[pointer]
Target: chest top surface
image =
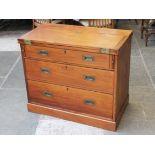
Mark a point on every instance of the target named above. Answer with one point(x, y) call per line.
point(77, 36)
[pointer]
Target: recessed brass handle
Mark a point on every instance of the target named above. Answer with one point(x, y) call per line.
point(89, 78)
point(88, 58)
point(45, 70)
point(47, 94)
point(43, 52)
point(89, 102)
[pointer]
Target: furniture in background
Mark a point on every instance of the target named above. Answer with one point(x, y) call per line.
point(147, 29)
point(109, 23)
point(77, 73)
point(37, 22)
point(136, 21)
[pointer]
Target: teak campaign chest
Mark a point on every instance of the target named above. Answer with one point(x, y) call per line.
point(77, 73)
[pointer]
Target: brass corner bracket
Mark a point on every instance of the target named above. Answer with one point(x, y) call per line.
point(105, 50)
point(28, 42)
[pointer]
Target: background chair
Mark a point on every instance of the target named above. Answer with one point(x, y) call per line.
point(109, 23)
point(37, 22)
point(147, 27)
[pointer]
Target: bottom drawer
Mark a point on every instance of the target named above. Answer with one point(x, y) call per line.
point(70, 98)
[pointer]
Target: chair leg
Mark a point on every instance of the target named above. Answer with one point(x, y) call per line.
point(146, 38)
point(33, 25)
point(142, 28)
point(142, 31)
point(146, 42)
point(136, 21)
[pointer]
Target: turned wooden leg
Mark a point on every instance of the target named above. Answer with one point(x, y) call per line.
point(142, 31)
point(32, 24)
point(136, 21)
point(146, 42)
point(142, 28)
point(146, 37)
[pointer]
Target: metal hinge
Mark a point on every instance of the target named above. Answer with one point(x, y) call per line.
point(28, 42)
point(105, 50)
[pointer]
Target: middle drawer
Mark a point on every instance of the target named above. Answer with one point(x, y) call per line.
point(68, 75)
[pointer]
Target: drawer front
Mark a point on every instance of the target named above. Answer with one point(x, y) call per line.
point(70, 98)
point(79, 77)
point(68, 56)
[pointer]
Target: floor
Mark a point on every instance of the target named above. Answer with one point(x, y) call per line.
point(139, 117)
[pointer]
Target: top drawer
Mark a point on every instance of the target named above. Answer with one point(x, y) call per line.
point(87, 59)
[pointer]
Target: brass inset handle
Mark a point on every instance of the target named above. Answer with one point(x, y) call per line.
point(88, 58)
point(89, 78)
point(89, 102)
point(47, 94)
point(43, 52)
point(45, 70)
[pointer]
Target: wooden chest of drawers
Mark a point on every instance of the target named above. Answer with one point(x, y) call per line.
point(77, 73)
